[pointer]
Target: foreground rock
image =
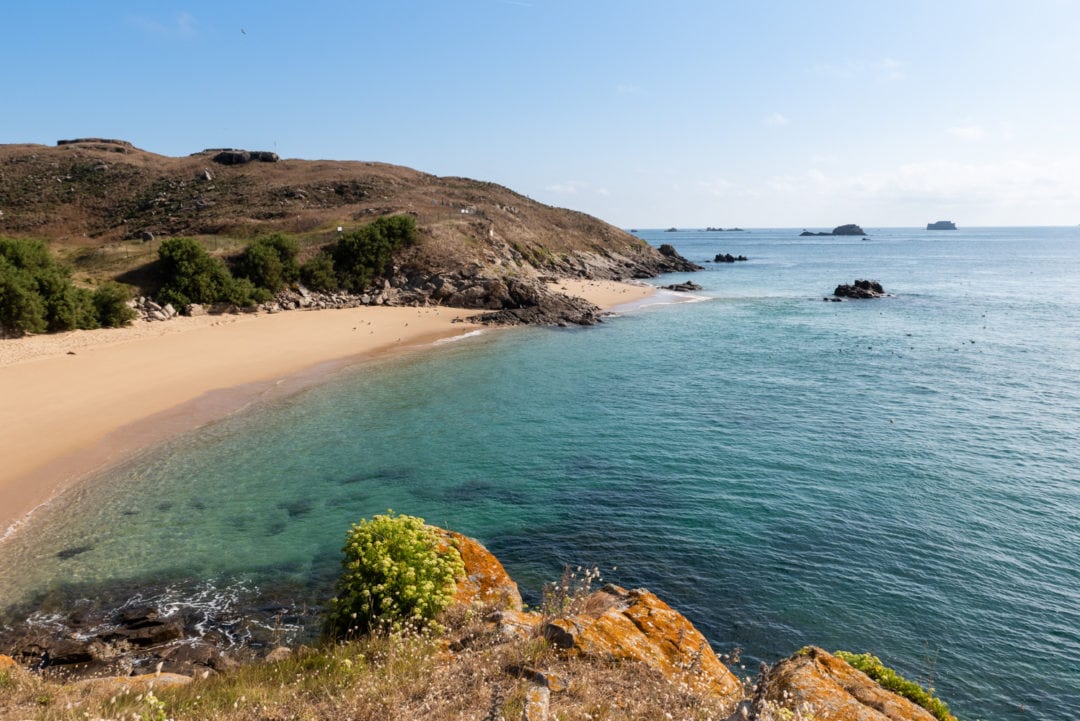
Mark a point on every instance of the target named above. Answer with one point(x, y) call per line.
point(486, 582)
point(860, 289)
point(835, 691)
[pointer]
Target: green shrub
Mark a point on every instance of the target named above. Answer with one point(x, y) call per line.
point(890, 680)
point(394, 577)
point(110, 304)
point(21, 307)
point(36, 292)
point(189, 274)
point(366, 253)
point(318, 273)
point(269, 262)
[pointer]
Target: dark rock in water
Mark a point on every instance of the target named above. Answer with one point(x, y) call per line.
point(683, 287)
point(941, 225)
point(728, 258)
point(860, 289)
point(849, 229)
point(72, 552)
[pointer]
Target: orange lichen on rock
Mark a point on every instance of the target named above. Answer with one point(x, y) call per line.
point(836, 691)
point(636, 625)
point(485, 582)
point(6, 662)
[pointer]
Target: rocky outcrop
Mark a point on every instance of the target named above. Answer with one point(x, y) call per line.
point(622, 625)
point(835, 691)
point(849, 229)
point(728, 258)
point(486, 582)
point(686, 287)
point(232, 156)
point(860, 289)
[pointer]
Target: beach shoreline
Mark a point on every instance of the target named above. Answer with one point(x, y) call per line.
point(77, 403)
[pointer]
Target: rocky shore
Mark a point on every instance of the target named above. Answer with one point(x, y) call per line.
point(139, 645)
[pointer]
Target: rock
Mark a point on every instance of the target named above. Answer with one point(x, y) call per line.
point(636, 625)
point(135, 684)
point(849, 229)
point(537, 699)
point(205, 175)
point(836, 691)
point(941, 225)
point(860, 289)
point(7, 662)
point(146, 236)
point(169, 310)
point(233, 157)
point(486, 582)
point(194, 309)
point(683, 287)
point(728, 258)
point(279, 654)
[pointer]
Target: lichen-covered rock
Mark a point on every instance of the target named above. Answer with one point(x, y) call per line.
point(486, 582)
point(6, 662)
point(836, 691)
point(636, 625)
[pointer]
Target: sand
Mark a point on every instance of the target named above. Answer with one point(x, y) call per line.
point(74, 403)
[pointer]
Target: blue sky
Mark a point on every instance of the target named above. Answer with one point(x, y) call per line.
point(646, 114)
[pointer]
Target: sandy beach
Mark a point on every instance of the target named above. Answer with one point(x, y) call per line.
point(73, 403)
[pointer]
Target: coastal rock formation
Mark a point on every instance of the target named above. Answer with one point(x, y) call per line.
point(835, 691)
point(849, 229)
point(941, 225)
point(683, 287)
point(621, 625)
point(860, 289)
point(486, 582)
point(728, 258)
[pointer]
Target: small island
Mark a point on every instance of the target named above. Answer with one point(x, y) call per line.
point(849, 229)
point(941, 225)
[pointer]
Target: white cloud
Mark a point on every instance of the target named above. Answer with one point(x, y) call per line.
point(569, 187)
point(776, 120)
point(883, 69)
point(970, 133)
point(183, 24)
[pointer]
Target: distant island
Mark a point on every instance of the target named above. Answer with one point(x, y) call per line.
point(710, 229)
point(849, 229)
point(941, 225)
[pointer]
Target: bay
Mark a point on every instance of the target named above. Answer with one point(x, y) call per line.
point(896, 476)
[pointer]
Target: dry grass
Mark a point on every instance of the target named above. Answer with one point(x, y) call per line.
point(473, 671)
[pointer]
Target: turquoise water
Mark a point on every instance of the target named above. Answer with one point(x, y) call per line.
point(900, 476)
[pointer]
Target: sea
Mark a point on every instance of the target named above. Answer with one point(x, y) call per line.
point(899, 475)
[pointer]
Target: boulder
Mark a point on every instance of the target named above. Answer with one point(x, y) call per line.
point(728, 258)
point(835, 691)
point(7, 662)
point(860, 289)
point(636, 625)
point(683, 287)
point(233, 157)
point(486, 582)
point(135, 684)
point(279, 654)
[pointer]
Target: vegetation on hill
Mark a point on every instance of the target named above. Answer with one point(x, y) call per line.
point(890, 680)
point(37, 295)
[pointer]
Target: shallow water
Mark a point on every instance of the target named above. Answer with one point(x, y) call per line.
point(898, 475)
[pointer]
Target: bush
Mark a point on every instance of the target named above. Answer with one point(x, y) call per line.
point(189, 274)
point(318, 273)
point(269, 262)
point(890, 680)
point(362, 255)
point(36, 292)
point(21, 307)
point(394, 577)
point(110, 304)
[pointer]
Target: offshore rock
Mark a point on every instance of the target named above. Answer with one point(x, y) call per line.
point(618, 624)
point(486, 582)
point(683, 287)
point(860, 289)
point(836, 691)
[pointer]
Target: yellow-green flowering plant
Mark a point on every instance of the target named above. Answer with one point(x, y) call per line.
point(394, 577)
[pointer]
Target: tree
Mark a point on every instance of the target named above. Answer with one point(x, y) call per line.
point(269, 262)
point(191, 275)
point(21, 308)
point(110, 304)
point(366, 253)
point(318, 273)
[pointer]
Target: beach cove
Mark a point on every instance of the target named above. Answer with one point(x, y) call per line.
point(75, 402)
point(894, 476)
